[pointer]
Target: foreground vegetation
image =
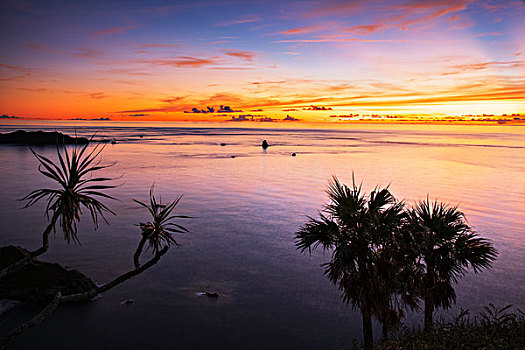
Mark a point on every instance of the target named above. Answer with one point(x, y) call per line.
point(492, 329)
point(386, 257)
point(23, 277)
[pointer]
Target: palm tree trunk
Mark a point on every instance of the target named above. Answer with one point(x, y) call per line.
point(124, 277)
point(136, 256)
point(429, 297)
point(368, 335)
point(384, 334)
point(429, 310)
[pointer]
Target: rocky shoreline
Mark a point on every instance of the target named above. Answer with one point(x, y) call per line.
point(38, 281)
point(40, 138)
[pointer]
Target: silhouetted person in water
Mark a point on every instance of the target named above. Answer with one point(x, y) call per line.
point(265, 144)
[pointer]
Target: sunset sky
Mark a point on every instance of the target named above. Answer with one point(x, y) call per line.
point(153, 60)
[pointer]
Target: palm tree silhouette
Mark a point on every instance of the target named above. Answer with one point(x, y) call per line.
point(393, 270)
point(158, 232)
point(77, 189)
point(160, 229)
point(444, 246)
point(356, 228)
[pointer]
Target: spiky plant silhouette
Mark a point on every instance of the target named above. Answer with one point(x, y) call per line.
point(358, 230)
point(78, 189)
point(159, 231)
point(445, 247)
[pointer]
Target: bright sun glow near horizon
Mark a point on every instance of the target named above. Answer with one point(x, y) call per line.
point(314, 61)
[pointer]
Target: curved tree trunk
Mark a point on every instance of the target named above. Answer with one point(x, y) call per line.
point(79, 297)
point(90, 294)
point(45, 246)
point(124, 277)
point(136, 256)
point(45, 238)
point(368, 336)
point(35, 321)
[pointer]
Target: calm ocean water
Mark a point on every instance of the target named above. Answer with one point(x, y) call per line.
point(246, 211)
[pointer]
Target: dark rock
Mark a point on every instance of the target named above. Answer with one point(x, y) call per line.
point(293, 154)
point(233, 156)
point(38, 281)
point(265, 144)
point(11, 254)
point(40, 138)
point(223, 144)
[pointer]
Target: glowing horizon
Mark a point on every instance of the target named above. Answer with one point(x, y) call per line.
point(310, 60)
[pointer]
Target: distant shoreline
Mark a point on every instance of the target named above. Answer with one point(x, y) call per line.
point(254, 124)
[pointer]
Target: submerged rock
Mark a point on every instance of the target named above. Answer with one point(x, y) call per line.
point(208, 294)
point(41, 138)
point(38, 281)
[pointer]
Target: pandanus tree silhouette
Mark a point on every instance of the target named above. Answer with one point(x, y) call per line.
point(158, 232)
point(77, 189)
point(357, 229)
point(444, 246)
point(161, 228)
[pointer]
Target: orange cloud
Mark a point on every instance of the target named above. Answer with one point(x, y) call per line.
point(425, 11)
point(245, 55)
point(154, 46)
point(33, 89)
point(15, 67)
point(173, 99)
point(112, 30)
point(302, 30)
point(335, 40)
point(185, 62)
point(365, 29)
point(337, 8)
point(97, 95)
point(341, 87)
point(86, 53)
point(239, 21)
point(462, 68)
point(153, 110)
point(410, 13)
point(269, 82)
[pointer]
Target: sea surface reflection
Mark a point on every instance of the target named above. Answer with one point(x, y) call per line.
point(246, 211)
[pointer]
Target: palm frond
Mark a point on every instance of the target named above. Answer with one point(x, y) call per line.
point(159, 231)
point(75, 190)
